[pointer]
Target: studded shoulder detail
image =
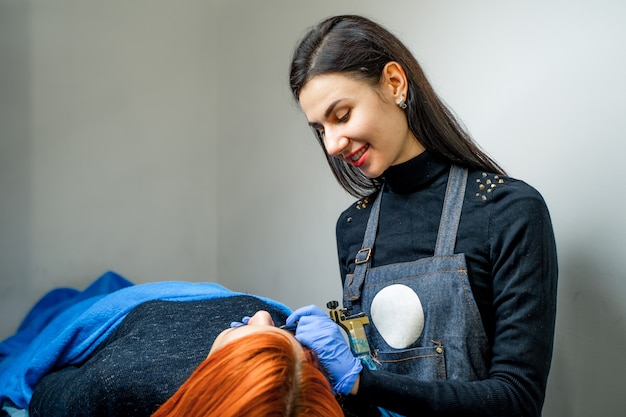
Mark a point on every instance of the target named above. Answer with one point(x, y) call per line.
point(486, 184)
point(362, 203)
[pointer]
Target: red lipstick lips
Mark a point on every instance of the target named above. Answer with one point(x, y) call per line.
point(356, 158)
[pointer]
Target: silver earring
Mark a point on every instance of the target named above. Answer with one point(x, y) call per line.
point(401, 103)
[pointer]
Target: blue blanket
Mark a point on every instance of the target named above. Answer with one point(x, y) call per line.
point(66, 326)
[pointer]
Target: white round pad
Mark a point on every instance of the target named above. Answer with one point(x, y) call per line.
point(398, 315)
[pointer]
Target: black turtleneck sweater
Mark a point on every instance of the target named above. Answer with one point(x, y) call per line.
point(506, 235)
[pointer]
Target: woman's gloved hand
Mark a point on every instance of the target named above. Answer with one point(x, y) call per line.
point(318, 332)
point(244, 321)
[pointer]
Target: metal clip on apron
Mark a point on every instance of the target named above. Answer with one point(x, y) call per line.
point(354, 326)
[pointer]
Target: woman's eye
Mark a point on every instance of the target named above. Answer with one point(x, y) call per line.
point(344, 117)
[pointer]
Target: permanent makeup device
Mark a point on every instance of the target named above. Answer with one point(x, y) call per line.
point(353, 325)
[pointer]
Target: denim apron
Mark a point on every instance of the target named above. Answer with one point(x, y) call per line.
point(424, 319)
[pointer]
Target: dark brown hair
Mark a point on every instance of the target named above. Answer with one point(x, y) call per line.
point(360, 48)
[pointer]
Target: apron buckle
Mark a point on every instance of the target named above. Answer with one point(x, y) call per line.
point(363, 256)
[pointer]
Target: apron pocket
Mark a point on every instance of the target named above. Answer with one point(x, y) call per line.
point(424, 363)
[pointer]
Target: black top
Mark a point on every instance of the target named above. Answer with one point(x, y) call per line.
point(506, 235)
point(144, 361)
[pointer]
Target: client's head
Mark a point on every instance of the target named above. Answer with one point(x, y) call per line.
point(261, 372)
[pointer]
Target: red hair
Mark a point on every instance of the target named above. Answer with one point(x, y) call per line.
point(259, 375)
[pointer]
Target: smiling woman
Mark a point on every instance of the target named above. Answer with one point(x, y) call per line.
point(364, 127)
point(454, 261)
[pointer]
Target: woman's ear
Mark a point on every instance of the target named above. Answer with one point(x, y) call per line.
point(395, 78)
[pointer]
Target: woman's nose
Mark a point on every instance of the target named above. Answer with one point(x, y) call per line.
point(262, 318)
point(335, 143)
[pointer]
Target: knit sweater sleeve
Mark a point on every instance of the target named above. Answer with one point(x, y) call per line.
point(81, 396)
point(136, 368)
point(523, 278)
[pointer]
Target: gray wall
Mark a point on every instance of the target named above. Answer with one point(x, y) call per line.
point(108, 144)
point(158, 139)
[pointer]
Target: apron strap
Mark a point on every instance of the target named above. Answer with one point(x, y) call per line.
point(354, 283)
point(446, 237)
point(451, 213)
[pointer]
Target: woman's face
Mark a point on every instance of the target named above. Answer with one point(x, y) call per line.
point(359, 123)
point(261, 321)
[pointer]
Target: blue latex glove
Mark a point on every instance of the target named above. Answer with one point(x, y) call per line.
point(317, 331)
point(244, 321)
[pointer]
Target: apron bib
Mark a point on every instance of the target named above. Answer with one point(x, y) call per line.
point(424, 319)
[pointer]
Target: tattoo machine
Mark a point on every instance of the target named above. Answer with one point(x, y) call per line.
point(353, 325)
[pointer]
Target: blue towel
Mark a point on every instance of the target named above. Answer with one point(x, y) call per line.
point(51, 305)
point(69, 334)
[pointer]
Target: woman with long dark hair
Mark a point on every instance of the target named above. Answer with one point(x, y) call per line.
point(453, 261)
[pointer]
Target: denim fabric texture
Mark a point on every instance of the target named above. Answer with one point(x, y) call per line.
point(504, 248)
point(453, 344)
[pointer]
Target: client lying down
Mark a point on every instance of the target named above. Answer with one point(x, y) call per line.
point(168, 349)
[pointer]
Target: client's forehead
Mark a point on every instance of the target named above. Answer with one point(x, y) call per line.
point(232, 334)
